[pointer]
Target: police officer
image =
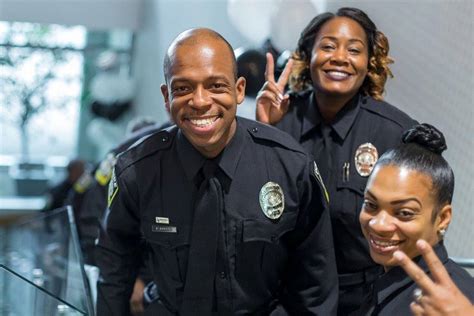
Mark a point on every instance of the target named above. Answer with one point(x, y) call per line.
point(335, 110)
point(231, 211)
point(407, 209)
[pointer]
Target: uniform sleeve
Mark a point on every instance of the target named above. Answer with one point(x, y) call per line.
point(118, 250)
point(311, 283)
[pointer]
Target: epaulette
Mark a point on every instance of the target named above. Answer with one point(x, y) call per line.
point(387, 111)
point(145, 147)
point(271, 134)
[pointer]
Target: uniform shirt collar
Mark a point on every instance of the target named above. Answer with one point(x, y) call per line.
point(342, 123)
point(192, 160)
point(396, 278)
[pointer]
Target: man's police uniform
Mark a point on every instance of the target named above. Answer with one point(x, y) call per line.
point(267, 261)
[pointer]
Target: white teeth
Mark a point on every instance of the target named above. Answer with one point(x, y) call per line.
point(203, 122)
point(338, 74)
point(385, 243)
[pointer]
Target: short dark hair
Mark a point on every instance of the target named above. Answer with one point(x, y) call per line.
point(378, 70)
point(421, 151)
point(188, 37)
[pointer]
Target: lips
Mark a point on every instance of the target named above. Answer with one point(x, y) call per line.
point(337, 75)
point(384, 246)
point(202, 125)
point(203, 122)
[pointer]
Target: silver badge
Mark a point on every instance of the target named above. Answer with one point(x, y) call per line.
point(365, 158)
point(272, 200)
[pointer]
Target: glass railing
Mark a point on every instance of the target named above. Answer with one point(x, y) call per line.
point(19, 296)
point(44, 250)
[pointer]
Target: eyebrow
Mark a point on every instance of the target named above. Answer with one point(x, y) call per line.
point(210, 78)
point(396, 202)
point(352, 40)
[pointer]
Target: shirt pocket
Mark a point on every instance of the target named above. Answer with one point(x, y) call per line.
point(262, 252)
point(347, 202)
point(169, 251)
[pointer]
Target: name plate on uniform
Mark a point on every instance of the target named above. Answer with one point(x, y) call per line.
point(163, 229)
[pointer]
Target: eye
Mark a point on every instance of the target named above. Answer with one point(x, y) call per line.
point(180, 90)
point(327, 47)
point(405, 214)
point(218, 87)
point(354, 51)
point(369, 206)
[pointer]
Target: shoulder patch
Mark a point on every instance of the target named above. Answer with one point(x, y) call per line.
point(113, 189)
point(104, 172)
point(317, 176)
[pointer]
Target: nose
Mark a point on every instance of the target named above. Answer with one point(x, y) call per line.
point(339, 55)
point(200, 99)
point(382, 222)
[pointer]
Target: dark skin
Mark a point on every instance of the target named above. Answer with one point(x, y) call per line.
point(202, 92)
point(338, 67)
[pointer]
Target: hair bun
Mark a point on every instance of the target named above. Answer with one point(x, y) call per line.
point(427, 136)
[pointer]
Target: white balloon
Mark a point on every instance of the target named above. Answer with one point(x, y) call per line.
point(289, 20)
point(251, 18)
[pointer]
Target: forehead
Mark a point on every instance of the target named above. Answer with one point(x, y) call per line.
point(342, 27)
point(394, 182)
point(198, 58)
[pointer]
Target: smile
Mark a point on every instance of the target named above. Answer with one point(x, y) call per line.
point(337, 75)
point(203, 122)
point(384, 246)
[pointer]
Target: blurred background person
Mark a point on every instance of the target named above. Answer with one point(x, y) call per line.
point(335, 109)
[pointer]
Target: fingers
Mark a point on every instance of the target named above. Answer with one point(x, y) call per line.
point(270, 68)
point(285, 75)
point(417, 275)
point(436, 267)
point(416, 309)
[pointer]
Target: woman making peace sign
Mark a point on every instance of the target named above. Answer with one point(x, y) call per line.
point(335, 110)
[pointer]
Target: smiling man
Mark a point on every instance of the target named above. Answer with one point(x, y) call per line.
point(229, 212)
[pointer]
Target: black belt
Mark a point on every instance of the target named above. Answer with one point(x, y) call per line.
point(365, 276)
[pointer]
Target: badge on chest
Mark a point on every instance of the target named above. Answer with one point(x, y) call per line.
point(272, 200)
point(365, 158)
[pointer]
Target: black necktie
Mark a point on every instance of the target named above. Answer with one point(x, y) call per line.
point(323, 153)
point(201, 270)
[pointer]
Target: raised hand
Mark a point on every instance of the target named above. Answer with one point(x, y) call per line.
point(272, 103)
point(439, 295)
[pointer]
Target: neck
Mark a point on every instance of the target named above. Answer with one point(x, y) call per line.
point(330, 105)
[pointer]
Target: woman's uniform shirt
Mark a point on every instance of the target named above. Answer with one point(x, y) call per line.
point(263, 264)
point(393, 291)
point(335, 148)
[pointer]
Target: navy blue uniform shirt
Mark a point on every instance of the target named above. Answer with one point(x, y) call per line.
point(362, 120)
point(285, 265)
point(393, 291)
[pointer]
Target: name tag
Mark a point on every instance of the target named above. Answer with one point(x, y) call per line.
point(162, 220)
point(164, 229)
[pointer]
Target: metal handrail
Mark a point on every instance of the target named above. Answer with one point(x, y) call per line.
point(464, 262)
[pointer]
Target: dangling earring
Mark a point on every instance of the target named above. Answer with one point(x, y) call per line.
point(442, 232)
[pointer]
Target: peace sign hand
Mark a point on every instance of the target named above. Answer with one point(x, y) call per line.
point(271, 103)
point(440, 296)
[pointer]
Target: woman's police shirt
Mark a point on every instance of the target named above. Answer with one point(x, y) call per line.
point(393, 291)
point(263, 264)
point(345, 152)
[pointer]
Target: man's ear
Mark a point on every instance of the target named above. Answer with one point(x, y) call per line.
point(164, 91)
point(240, 89)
